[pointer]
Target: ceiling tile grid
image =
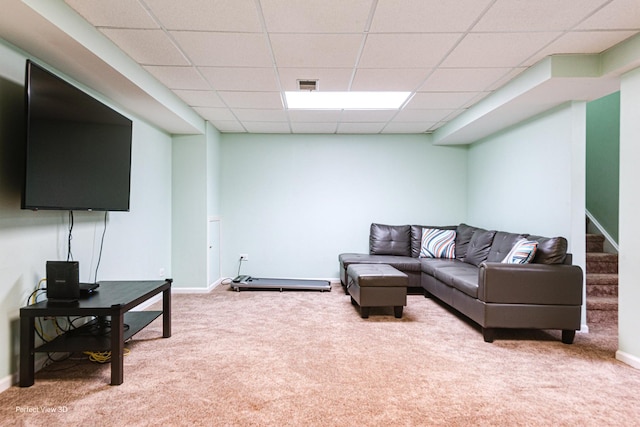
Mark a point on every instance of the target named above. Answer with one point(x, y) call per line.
point(232, 60)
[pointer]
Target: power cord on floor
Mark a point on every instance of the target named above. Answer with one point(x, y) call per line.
point(102, 356)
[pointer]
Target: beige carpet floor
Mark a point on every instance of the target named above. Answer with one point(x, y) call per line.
point(306, 358)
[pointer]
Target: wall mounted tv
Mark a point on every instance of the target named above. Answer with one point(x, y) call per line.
point(78, 150)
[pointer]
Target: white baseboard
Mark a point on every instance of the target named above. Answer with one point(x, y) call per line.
point(10, 380)
point(629, 359)
point(177, 290)
point(7, 382)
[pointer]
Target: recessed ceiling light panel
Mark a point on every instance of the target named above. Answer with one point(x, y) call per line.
point(313, 100)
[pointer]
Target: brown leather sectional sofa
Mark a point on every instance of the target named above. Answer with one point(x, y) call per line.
point(545, 293)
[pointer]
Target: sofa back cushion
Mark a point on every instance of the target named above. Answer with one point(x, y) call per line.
point(479, 246)
point(416, 236)
point(502, 244)
point(390, 240)
point(550, 250)
point(464, 233)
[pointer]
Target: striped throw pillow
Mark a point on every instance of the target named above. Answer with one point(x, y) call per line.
point(522, 252)
point(437, 243)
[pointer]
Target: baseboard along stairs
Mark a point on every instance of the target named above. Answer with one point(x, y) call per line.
point(602, 283)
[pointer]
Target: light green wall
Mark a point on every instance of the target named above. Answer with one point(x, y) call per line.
point(137, 243)
point(196, 199)
point(603, 161)
point(629, 254)
point(294, 202)
point(189, 230)
point(520, 179)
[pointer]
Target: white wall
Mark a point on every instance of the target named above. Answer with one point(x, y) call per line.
point(294, 202)
point(137, 243)
point(629, 225)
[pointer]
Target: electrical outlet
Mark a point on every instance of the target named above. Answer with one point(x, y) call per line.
point(161, 272)
point(244, 257)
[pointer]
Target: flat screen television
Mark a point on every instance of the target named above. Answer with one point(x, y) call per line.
point(78, 150)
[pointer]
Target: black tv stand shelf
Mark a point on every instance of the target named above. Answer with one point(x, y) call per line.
point(86, 338)
point(112, 307)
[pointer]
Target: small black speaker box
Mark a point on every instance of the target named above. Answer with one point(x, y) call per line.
point(63, 279)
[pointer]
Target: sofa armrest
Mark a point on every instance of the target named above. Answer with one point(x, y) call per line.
point(557, 284)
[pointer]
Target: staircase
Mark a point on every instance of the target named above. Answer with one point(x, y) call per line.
point(602, 283)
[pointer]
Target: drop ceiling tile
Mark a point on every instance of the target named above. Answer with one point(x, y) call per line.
point(242, 79)
point(147, 47)
point(316, 16)
point(314, 116)
point(200, 98)
point(207, 15)
point(266, 127)
point(406, 50)
point(619, 14)
point(462, 79)
point(538, 15)
point(329, 79)
point(393, 16)
point(224, 49)
point(582, 42)
point(360, 127)
point(228, 126)
point(364, 116)
point(256, 115)
point(259, 100)
point(315, 50)
point(402, 79)
point(422, 115)
point(213, 114)
point(179, 77)
point(114, 13)
point(407, 127)
point(446, 100)
point(497, 49)
point(314, 127)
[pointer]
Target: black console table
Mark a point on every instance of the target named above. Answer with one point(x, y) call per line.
point(111, 303)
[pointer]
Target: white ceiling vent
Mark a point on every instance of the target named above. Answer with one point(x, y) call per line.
point(309, 85)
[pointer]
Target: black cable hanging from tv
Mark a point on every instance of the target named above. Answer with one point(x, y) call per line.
point(70, 238)
point(69, 253)
point(104, 231)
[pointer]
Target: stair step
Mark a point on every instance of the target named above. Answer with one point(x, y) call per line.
point(601, 262)
point(595, 243)
point(602, 318)
point(602, 279)
point(602, 303)
point(602, 290)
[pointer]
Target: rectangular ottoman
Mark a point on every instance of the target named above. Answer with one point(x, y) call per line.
point(377, 285)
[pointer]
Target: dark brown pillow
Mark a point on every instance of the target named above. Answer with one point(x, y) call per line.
point(479, 246)
point(390, 240)
point(464, 233)
point(551, 250)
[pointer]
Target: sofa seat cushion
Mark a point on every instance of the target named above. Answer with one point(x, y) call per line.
point(402, 263)
point(462, 276)
point(430, 265)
